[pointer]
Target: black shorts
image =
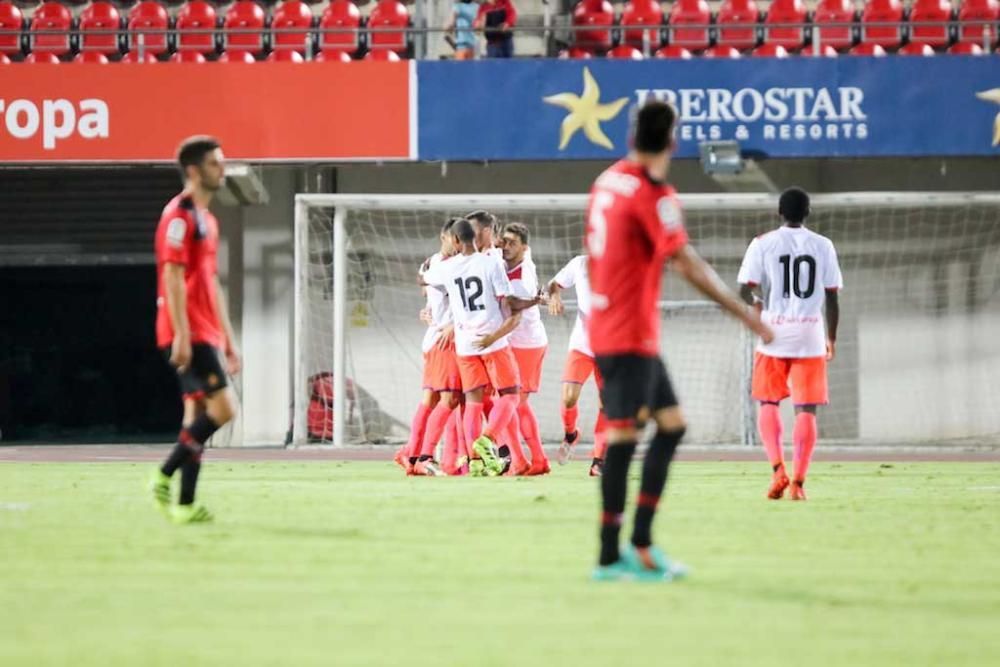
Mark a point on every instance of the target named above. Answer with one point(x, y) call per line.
point(631, 383)
point(204, 375)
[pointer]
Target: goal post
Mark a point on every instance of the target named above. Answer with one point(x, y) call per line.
point(919, 312)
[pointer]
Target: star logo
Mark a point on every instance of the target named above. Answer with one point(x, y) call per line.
point(586, 112)
point(993, 96)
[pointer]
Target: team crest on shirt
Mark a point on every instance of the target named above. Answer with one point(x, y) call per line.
point(669, 212)
point(176, 229)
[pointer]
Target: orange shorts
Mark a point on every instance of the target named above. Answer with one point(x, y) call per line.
point(529, 367)
point(771, 377)
point(579, 368)
point(497, 369)
point(441, 369)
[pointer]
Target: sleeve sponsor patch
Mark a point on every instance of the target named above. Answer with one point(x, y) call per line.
point(176, 231)
point(669, 212)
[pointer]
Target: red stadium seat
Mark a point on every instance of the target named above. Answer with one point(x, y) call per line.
point(978, 10)
point(241, 16)
point(825, 51)
point(42, 58)
point(642, 12)
point(99, 17)
point(575, 53)
point(189, 56)
point(834, 11)
point(51, 16)
point(286, 56)
point(339, 14)
point(674, 51)
point(385, 55)
point(625, 52)
point(783, 13)
point(721, 51)
point(737, 12)
point(193, 16)
point(93, 57)
point(882, 11)
point(388, 14)
point(690, 12)
point(333, 56)
point(292, 14)
point(133, 57)
point(770, 51)
point(237, 56)
point(966, 49)
point(150, 20)
point(930, 10)
point(11, 18)
point(916, 49)
point(598, 16)
point(867, 49)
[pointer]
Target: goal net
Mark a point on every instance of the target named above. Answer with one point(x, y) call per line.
point(920, 313)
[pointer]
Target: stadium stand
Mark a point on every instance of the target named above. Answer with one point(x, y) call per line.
point(195, 16)
point(737, 13)
point(95, 21)
point(148, 19)
point(598, 15)
point(781, 18)
point(690, 12)
point(642, 12)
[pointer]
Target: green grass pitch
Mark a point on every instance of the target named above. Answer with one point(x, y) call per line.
point(349, 563)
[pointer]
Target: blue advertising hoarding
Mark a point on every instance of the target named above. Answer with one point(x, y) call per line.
point(796, 107)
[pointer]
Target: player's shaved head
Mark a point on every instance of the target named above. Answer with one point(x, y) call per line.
point(654, 127)
point(463, 231)
point(482, 218)
point(793, 205)
point(448, 225)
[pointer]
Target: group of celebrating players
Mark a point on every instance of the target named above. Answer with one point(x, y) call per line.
point(485, 341)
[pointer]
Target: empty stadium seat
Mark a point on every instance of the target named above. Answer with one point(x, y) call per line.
point(333, 56)
point(721, 51)
point(930, 10)
point(882, 11)
point(291, 14)
point(93, 57)
point(690, 12)
point(385, 55)
point(642, 12)
point(575, 53)
point(242, 16)
point(673, 51)
point(51, 16)
point(737, 12)
point(237, 56)
point(11, 18)
point(133, 57)
point(286, 55)
point(194, 16)
point(598, 16)
point(187, 56)
point(625, 52)
point(966, 49)
point(916, 49)
point(867, 49)
point(781, 17)
point(339, 14)
point(978, 10)
point(42, 58)
point(150, 20)
point(388, 14)
point(770, 51)
point(825, 51)
point(834, 11)
point(94, 20)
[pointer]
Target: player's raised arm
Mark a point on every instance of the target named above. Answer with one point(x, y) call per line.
point(689, 264)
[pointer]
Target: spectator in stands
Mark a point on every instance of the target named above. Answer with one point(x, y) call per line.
point(496, 18)
point(463, 17)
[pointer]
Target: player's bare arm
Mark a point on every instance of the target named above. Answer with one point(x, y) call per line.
point(696, 271)
point(173, 281)
point(447, 336)
point(517, 304)
point(832, 322)
point(234, 363)
point(507, 327)
point(554, 291)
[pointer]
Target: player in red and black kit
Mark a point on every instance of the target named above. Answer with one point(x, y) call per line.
point(634, 225)
point(192, 326)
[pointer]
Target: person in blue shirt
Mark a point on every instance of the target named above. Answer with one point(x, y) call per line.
point(460, 23)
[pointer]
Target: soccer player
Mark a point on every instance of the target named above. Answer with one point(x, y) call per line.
point(580, 363)
point(797, 272)
point(528, 341)
point(192, 325)
point(441, 382)
point(634, 224)
point(478, 288)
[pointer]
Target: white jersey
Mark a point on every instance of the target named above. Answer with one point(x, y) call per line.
point(475, 284)
point(530, 332)
point(437, 304)
point(794, 267)
point(574, 274)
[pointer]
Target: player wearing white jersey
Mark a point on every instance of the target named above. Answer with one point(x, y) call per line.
point(580, 363)
point(795, 273)
point(478, 289)
point(529, 342)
